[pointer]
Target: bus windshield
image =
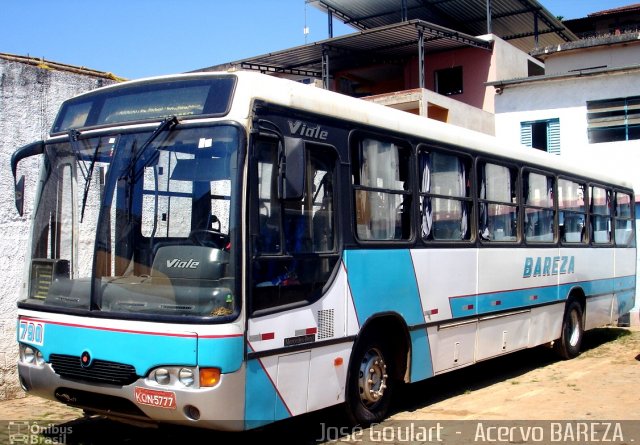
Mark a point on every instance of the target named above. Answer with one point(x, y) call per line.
point(138, 223)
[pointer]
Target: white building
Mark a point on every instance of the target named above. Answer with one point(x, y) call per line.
point(586, 106)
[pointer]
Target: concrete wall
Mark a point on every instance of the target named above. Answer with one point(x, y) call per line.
point(479, 66)
point(29, 100)
point(422, 101)
point(611, 56)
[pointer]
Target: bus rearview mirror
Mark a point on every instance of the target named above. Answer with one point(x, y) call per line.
point(35, 148)
point(292, 169)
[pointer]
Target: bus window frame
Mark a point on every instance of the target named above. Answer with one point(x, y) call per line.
point(282, 254)
point(471, 199)
point(586, 242)
point(631, 218)
point(481, 159)
point(590, 213)
point(356, 137)
point(527, 168)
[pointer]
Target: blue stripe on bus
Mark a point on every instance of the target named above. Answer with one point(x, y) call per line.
point(383, 281)
point(143, 351)
point(263, 404)
point(225, 353)
point(486, 303)
point(421, 367)
point(625, 283)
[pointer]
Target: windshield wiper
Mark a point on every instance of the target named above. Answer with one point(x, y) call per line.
point(86, 173)
point(166, 124)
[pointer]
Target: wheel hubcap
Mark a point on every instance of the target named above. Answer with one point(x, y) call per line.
point(574, 329)
point(372, 380)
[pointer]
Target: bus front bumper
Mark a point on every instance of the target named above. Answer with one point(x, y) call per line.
point(220, 407)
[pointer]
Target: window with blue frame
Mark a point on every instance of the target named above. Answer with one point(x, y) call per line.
point(542, 134)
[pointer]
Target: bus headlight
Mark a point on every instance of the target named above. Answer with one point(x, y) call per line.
point(186, 376)
point(162, 376)
point(31, 355)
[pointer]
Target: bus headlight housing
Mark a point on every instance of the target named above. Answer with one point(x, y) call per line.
point(181, 376)
point(30, 355)
point(186, 376)
point(162, 376)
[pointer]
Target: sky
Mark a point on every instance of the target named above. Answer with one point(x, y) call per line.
point(141, 38)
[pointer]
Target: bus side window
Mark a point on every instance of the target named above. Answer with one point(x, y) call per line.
point(573, 213)
point(382, 196)
point(624, 217)
point(445, 196)
point(600, 215)
point(539, 213)
point(295, 241)
point(498, 212)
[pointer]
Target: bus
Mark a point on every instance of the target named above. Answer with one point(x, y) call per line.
point(230, 249)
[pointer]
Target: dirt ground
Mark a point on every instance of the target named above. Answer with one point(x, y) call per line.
point(531, 388)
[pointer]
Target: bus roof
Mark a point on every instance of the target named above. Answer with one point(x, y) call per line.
point(253, 86)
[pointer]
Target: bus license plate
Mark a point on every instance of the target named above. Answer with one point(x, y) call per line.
point(152, 397)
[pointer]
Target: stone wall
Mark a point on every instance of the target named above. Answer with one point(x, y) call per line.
point(31, 92)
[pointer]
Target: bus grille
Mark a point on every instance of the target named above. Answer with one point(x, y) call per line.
point(99, 371)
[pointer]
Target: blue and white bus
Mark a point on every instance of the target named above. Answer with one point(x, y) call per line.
point(232, 249)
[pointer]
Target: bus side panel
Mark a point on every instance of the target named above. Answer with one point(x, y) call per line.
point(263, 403)
point(595, 274)
point(290, 383)
point(546, 323)
point(384, 281)
point(625, 295)
point(445, 273)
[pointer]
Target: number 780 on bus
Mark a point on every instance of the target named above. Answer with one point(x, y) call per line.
point(31, 332)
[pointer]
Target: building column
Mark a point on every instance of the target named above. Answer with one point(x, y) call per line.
point(325, 68)
point(421, 74)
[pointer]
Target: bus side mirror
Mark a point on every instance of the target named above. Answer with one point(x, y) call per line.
point(35, 148)
point(292, 169)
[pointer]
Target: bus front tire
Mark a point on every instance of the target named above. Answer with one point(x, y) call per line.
point(370, 382)
point(568, 345)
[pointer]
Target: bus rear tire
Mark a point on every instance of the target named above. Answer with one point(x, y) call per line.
point(370, 381)
point(568, 345)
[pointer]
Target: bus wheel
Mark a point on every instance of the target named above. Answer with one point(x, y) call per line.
point(568, 345)
point(370, 382)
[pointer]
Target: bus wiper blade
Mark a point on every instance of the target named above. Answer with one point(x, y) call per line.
point(87, 182)
point(166, 124)
point(74, 135)
point(87, 173)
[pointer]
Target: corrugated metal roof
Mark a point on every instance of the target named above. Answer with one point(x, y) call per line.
point(383, 44)
point(511, 20)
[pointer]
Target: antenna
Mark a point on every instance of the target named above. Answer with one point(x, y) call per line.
point(306, 28)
